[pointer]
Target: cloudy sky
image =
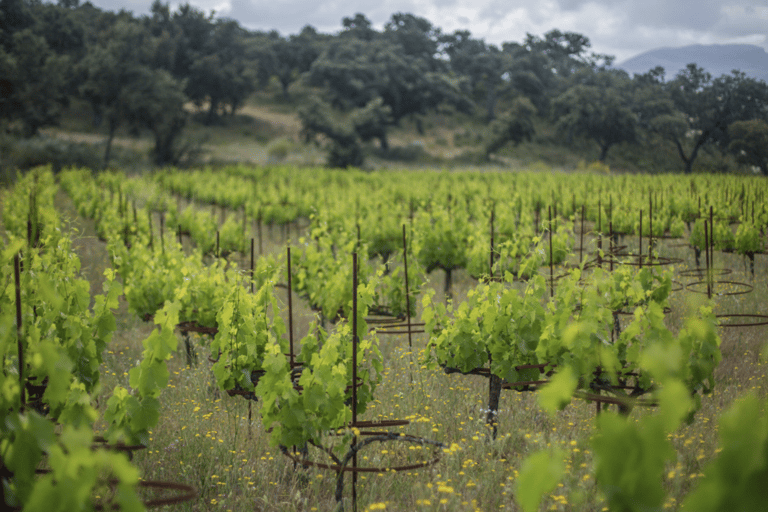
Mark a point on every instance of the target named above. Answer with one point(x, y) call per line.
point(623, 28)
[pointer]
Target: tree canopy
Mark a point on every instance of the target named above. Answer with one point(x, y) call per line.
point(147, 72)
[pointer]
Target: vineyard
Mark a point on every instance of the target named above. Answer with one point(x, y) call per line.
point(302, 339)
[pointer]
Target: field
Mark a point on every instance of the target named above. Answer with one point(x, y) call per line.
point(218, 444)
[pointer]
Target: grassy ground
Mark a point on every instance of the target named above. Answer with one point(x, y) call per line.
point(217, 444)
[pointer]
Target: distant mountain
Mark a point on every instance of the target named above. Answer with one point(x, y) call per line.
point(717, 59)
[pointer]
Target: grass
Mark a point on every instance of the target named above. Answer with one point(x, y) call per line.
point(206, 439)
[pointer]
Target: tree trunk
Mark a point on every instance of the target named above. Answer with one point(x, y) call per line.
point(110, 138)
point(494, 394)
point(490, 104)
point(285, 83)
point(383, 142)
point(689, 160)
point(213, 110)
point(603, 152)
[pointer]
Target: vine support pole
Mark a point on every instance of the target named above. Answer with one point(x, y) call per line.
point(711, 247)
point(354, 376)
point(610, 243)
point(581, 236)
point(290, 311)
point(19, 335)
point(708, 270)
point(599, 234)
point(490, 269)
point(650, 229)
point(640, 250)
point(407, 292)
point(252, 264)
point(551, 259)
point(151, 233)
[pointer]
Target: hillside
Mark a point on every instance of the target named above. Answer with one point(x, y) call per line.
point(718, 59)
point(267, 130)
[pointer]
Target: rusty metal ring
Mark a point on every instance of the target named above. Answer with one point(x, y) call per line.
point(192, 326)
point(700, 272)
point(764, 320)
point(385, 437)
point(749, 287)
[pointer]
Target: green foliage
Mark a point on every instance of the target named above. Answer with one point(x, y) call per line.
point(724, 239)
point(708, 107)
point(540, 474)
point(24, 154)
point(319, 401)
point(132, 415)
point(597, 106)
point(62, 339)
point(496, 322)
point(245, 330)
point(36, 78)
point(735, 479)
point(630, 461)
point(749, 140)
point(441, 239)
point(515, 127)
point(748, 239)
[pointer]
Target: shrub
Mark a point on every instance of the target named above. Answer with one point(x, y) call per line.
point(278, 149)
point(25, 154)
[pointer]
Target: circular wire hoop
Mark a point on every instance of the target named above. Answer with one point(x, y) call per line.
point(667, 310)
point(99, 442)
point(640, 260)
point(759, 320)
point(748, 287)
point(186, 493)
point(187, 327)
point(400, 328)
point(701, 272)
point(377, 437)
point(616, 400)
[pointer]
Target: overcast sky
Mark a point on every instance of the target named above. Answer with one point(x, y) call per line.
point(623, 28)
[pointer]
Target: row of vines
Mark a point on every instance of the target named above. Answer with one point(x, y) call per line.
point(563, 304)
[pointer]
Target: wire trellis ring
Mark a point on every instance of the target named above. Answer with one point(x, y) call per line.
point(761, 320)
point(748, 287)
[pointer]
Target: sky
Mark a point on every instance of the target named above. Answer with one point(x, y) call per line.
point(622, 28)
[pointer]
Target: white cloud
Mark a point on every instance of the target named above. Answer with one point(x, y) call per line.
point(618, 27)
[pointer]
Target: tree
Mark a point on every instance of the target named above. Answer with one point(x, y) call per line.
point(481, 64)
point(287, 58)
point(358, 27)
point(749, 142)
point(354, 71)
point(111, 68)
point(345, 134)
point(598, 106)
point(157, 103)
point(416, 37)
point(707, 107)
point(221, 74)
point(515, 127)
point(35, 79)
point(529, 73)
point(566, 51)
